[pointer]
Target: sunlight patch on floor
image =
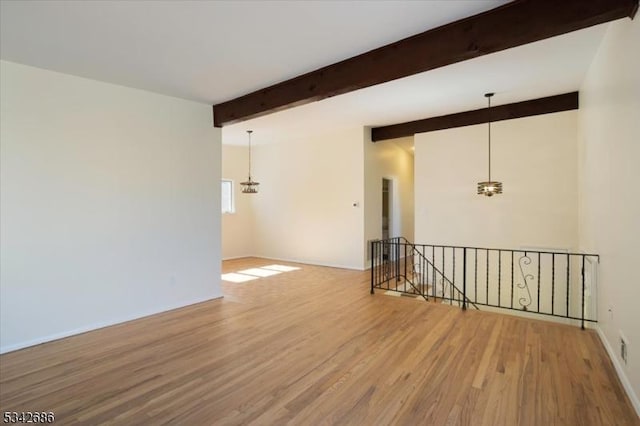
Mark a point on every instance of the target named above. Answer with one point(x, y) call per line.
point(237, 278)
point(256, 273)
point(281, 268)
point(259, 272)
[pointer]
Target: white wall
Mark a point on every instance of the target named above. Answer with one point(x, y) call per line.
point(534, 157)
point(109, 204)
point(304, 211)
point(609, 129)
point(238, 227)
point(387, 159)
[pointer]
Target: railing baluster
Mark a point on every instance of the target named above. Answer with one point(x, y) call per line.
point(405, 267)
point(380, 271)
point(453, 278)
point(434, 290)
point(464, 280)
point(433, 270)
point(487, 271)
point(499, 277)
point(391, 260)
point(391, 263)
point(568, 282)
point(538, 300)
point(386, 262)
point(451, 294)
point(423, 280)
point(378, 265)
point(373, 248)
point(397, 261)
point(425, 271)
point(553, 282)
point(382, 266)
point(512, 279)
point(442, 271)
point(475, 276)
point(442, 278)
point(582, 310)
point(416, 252)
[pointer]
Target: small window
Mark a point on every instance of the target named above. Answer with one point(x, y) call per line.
point(227, 196)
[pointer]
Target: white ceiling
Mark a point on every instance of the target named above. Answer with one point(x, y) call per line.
point(545, 68)
point(211, 51)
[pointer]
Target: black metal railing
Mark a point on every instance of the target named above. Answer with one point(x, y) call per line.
point(559, 284)
point(397, 265)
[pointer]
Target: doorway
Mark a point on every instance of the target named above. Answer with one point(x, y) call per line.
point(387, 198)
point(387, 207)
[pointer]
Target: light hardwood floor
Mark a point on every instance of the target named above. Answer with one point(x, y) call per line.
point(312, 347)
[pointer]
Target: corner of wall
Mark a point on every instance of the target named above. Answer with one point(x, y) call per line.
point(626, 384)
point(608, 151)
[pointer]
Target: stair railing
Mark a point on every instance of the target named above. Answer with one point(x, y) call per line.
point(420, 274)
point(396, 263)
point(546, 282)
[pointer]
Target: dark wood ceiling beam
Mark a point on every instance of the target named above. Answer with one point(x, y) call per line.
point(513, 24)
point(565, 102)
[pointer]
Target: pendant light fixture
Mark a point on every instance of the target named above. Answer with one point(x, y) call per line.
point(250, 186)
point(489, 188)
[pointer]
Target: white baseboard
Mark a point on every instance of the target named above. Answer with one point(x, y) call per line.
point(622, 375)
point(96, 326)
point(307, 262)
point(238, 257)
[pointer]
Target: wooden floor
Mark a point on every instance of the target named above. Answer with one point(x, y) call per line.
point(312, 347)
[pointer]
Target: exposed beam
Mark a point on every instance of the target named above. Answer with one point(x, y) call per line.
point(557, 103)
point(513, 24)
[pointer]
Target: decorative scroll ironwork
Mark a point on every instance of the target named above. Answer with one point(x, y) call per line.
point(525, 300)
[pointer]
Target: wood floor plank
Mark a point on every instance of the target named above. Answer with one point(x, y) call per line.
point(312, 346)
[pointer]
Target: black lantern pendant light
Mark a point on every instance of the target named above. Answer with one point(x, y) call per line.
point(250, 186)
point(489, 188)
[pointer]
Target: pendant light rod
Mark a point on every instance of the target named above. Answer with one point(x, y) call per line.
point(250, 186)
point(488, 96)
point(249, 133)
point(489, 188)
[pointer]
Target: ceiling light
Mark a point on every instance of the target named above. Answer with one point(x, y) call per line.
point(250, 186)
point(489, 188)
